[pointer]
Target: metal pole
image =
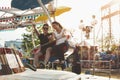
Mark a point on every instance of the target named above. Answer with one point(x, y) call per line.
point(94, 51)
point(45, 10)
point(119, 44)
point(93, 23)
point(109, 29)
point(81, 28)
point(102, 33)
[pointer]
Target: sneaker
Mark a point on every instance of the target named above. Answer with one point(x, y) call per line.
point(47, 66)
point(42, 65)
point(32, 67)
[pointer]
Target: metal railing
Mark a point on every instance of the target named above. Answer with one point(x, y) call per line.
point(97, 65)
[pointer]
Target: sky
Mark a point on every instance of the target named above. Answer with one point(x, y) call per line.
point(80, 9)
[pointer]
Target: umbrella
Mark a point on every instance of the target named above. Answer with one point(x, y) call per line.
point(61, 10)
point(58, 11)
point(27, 4)
point(42, 17)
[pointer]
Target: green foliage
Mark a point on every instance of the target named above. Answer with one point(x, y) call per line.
point(109, 43)
point(27, 43)
point(28, 39)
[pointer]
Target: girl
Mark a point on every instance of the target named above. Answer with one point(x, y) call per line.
point(61, 41)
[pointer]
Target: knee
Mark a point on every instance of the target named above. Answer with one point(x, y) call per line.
point(35, 55)
point(48, 49)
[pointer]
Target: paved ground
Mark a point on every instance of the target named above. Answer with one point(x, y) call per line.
point(41, 74)
point(91, 77)
point(45, 74)
point(100, 75)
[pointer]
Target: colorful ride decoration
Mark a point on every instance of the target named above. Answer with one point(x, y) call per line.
point(10, 61)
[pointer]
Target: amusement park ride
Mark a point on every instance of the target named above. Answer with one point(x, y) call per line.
point(21, 15)
point(16, 16)
point(10, 60)
point(19, 18)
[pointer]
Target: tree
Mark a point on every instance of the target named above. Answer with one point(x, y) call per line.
point(108, 43)
point(29, 40)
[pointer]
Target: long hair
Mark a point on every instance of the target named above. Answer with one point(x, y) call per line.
point(57, 23)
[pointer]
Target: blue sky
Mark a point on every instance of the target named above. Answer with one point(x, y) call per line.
point(81, 9)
